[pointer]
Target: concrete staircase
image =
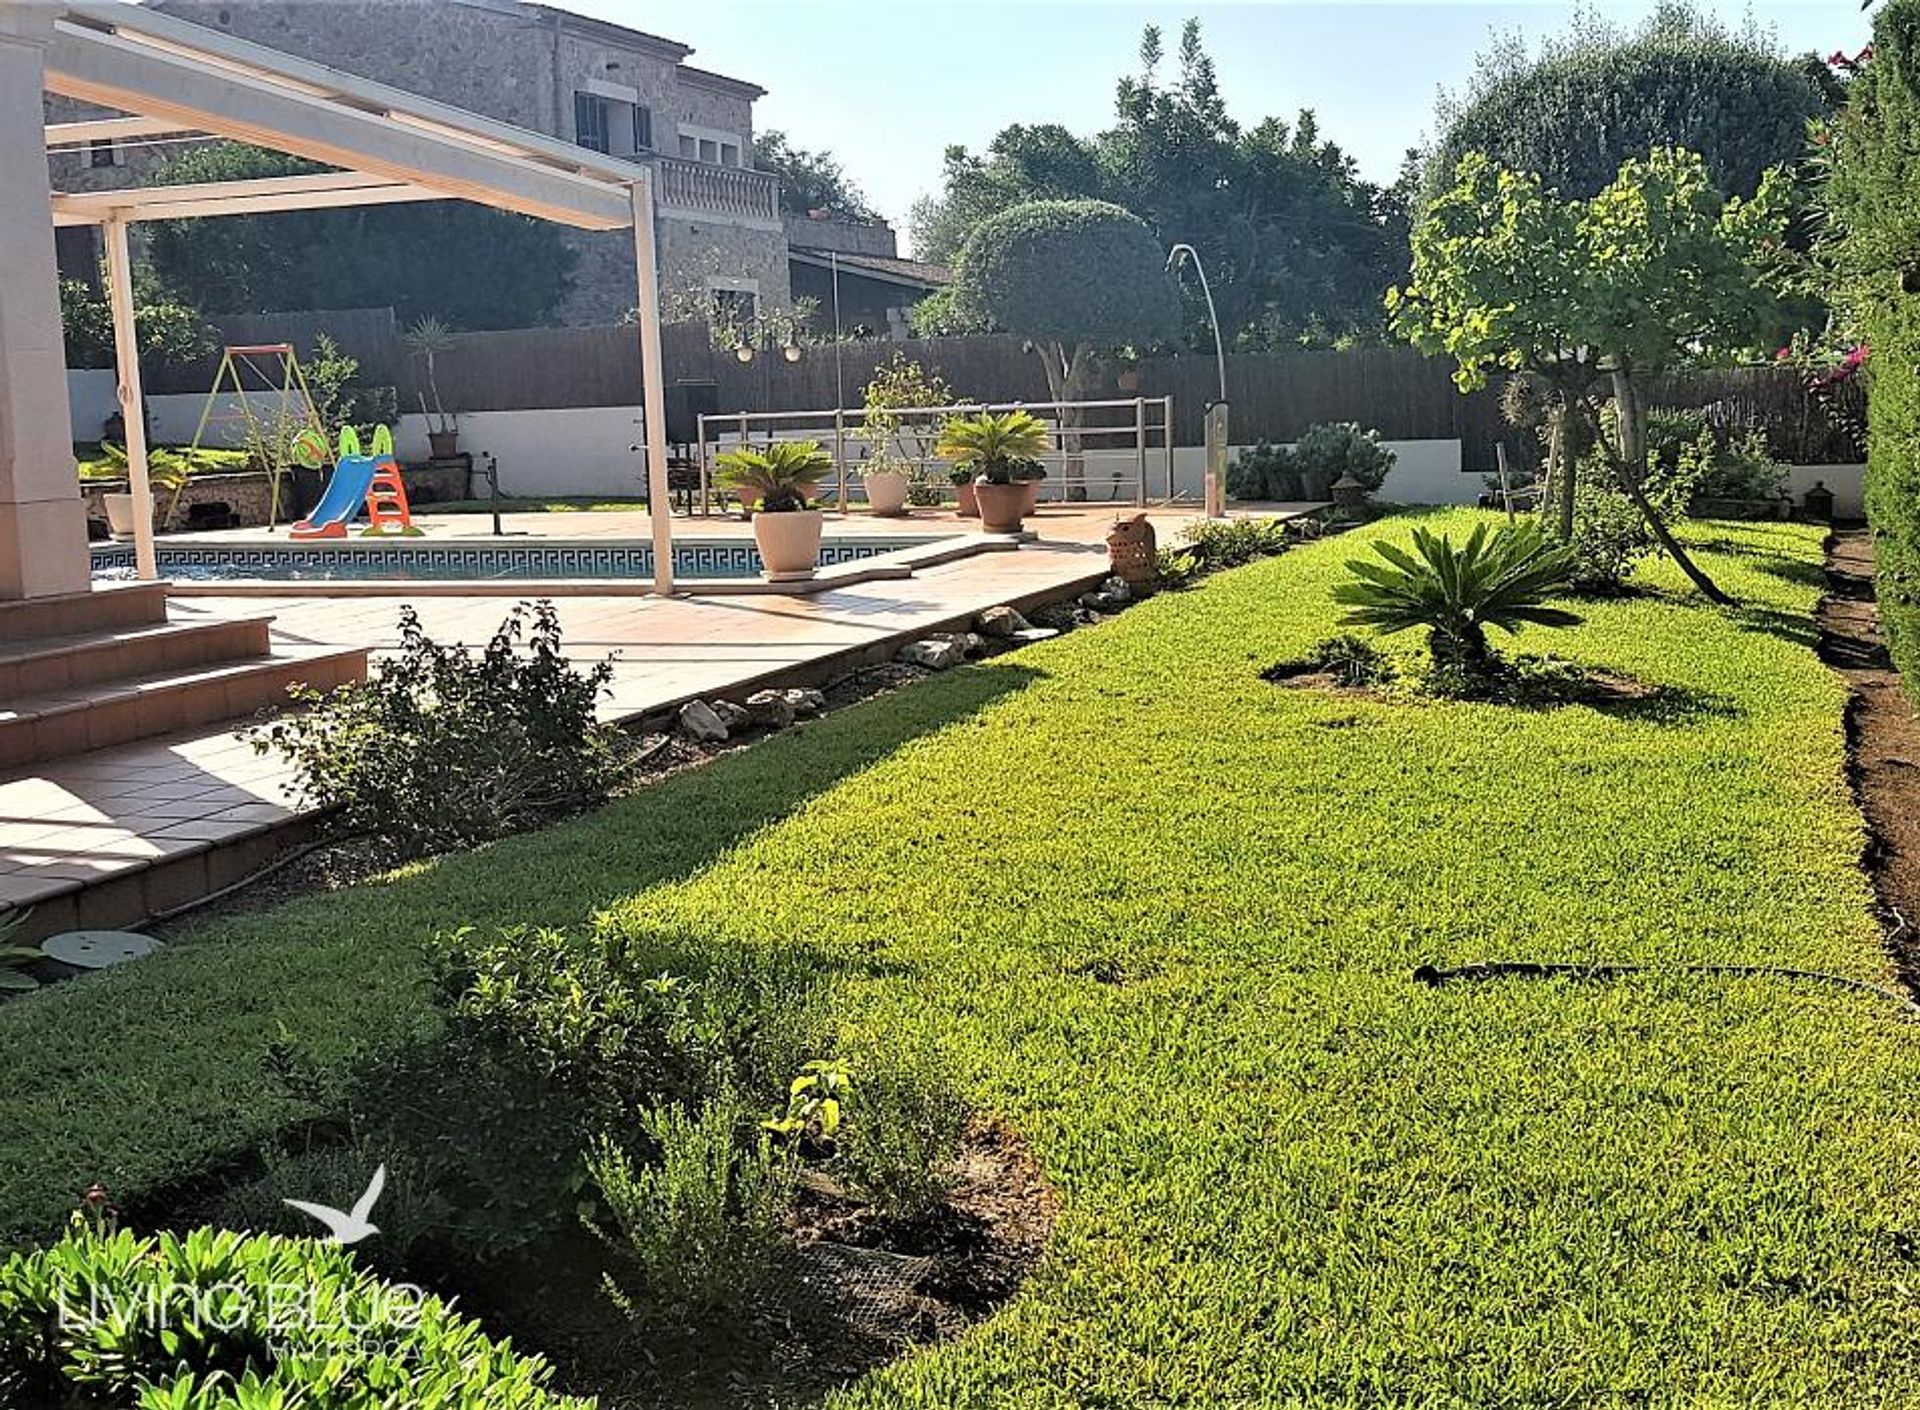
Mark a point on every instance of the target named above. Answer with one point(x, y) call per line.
point(105, 668)
point(124, 790)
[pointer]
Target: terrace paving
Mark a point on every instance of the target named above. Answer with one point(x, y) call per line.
point(108, 837)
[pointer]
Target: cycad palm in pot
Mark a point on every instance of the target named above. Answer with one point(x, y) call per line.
point(776, 483)
point(1001, 451)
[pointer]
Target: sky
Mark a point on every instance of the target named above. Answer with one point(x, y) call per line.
point(887, 85)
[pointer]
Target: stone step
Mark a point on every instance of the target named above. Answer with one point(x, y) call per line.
point(50, 665)
point(56, 726)
point(110, 607)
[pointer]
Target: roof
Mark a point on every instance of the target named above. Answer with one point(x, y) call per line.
point(608, 30)
point(918, 273)
point(707, 78)
point(672, 49)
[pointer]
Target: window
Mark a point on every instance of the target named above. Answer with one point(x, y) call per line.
point(103, 154)
point(709, 150)
point(689, 147)
point(729, 154)
point(590, 128)
point(642, 128)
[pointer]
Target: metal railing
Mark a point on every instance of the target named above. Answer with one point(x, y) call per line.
point(717, 190)
point(1098, 452)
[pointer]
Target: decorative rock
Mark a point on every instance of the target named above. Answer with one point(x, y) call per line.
point(770, 709)
point(805, 702)
point(1002, 623)
point(698, 720)
point(1061, 616)
point(1118, 588)
point(734, 717)
point(970, 643)
point(935, 653)
point(1030, 635)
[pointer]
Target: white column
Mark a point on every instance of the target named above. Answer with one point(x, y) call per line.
point(126, 359)
point(43, 525)
point(653, 395)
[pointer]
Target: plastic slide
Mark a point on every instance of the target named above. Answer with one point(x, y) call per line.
point(345, 496)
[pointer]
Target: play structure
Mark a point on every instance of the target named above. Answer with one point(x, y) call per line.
point(278, 381)
point(369, 481)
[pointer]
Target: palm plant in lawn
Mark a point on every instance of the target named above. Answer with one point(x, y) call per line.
point(14, 958)
point(1499, 579)
point(779, 481)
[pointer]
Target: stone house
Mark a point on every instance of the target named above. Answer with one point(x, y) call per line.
point(605, 86)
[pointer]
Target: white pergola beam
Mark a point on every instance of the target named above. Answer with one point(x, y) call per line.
point(120, 129)
point(206, 46)
point(321, 191)
point(117, 72)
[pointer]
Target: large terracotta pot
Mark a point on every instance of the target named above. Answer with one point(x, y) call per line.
point(968, 506)
point(789, 543)
point(886, 492)
point(1001, 506)
point(443, 445)
point(1029, 497)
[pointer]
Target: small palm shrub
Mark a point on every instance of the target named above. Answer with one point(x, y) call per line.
point(211, 1320)
point(443, 748)
point(1499, 579)
point(14, 958)
point(999, 448)
point(778, 479)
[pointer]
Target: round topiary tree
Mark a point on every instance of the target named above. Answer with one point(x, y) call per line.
point(1072, 277)
point(1596, 97)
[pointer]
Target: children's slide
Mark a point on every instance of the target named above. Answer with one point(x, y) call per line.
point(345, 496)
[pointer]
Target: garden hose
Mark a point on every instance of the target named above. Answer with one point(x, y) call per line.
point(1433, 975)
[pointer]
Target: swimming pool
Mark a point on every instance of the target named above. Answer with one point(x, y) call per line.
point(413, 560)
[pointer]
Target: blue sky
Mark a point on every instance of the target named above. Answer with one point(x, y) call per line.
point(887, 84)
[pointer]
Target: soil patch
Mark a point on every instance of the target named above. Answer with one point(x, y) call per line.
point(1883, 741)
point(857, 1292)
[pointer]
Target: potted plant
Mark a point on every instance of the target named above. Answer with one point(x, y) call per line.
point(966, 505)
point(1028, 474)
point(777, 482)
point(426, 339)
point(886, 485)
point(996, 449)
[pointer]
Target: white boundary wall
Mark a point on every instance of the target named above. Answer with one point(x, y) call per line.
point(590, 450)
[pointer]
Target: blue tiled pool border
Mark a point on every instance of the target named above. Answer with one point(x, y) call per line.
point(695, 559)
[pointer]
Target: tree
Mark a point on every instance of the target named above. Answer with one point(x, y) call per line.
point(1595, 97)
point(1072, 277)
point(168, 330)
point(476, 267)
point(1593, 296)
point(809, 181)
point(1295, 244)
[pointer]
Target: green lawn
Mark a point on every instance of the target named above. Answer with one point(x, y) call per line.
point(1289, 1174)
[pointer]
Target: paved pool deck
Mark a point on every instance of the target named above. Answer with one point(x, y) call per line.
point(109, 837)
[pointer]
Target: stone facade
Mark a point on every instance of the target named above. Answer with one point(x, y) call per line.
point(547, 70)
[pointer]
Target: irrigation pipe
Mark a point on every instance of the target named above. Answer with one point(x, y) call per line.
point(1434, 976)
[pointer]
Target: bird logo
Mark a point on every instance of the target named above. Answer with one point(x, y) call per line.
point(351, 1227)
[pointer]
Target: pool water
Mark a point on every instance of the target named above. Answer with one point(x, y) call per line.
point(412, 561)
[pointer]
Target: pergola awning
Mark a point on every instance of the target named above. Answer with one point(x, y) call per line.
point(170, 77)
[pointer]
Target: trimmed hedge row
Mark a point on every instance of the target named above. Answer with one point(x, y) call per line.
point(1873, 202)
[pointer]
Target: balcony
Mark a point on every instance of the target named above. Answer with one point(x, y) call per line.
point(728, 193)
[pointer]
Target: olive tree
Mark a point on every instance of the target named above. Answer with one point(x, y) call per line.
point(1658, 270)
point(1072, 278)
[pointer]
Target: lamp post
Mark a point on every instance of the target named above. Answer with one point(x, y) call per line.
point(1213, 504)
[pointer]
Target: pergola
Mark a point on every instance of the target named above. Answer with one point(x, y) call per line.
point(173, 78)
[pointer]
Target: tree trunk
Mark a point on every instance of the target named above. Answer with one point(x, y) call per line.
point(1560, 465)
point(1066, 377)
point(1630, 463)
